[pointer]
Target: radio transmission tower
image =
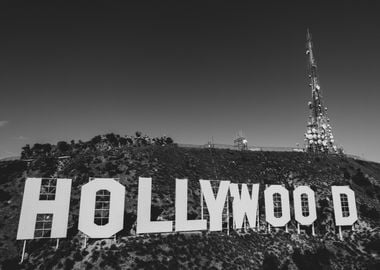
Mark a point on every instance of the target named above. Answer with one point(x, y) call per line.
point(241, 142)
point(319, 137)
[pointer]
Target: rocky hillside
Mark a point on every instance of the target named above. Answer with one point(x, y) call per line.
point(164, 161)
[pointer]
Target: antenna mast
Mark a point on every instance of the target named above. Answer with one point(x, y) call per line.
point(319, 137)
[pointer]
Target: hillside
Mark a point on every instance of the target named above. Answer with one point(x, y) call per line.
point(164, 162)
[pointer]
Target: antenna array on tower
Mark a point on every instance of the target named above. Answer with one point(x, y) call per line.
point(319, 136)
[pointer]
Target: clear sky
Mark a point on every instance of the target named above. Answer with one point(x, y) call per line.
point(188, 69)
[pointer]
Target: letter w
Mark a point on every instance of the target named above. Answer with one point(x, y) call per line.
point(244, 205)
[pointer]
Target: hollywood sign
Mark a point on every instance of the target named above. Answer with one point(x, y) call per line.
point(45, 207)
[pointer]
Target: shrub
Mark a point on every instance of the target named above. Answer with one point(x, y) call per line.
point(369, 212)
point(360, 179)
point(270, 262)
point(69, 263)
point(77, 256)
point(63, 146)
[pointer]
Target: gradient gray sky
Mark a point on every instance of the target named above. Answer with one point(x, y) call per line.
point(187, 69)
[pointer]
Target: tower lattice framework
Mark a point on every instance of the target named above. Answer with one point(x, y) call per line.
point(319, 137)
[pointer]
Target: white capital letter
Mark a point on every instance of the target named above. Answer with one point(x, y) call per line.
point(181, 221)
point(32, 205)
point(105, 196)
point(305, 194)
point(144, 224)
point(215, 206)
point(281, 216)
point(344, 205)
point(244, 204)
